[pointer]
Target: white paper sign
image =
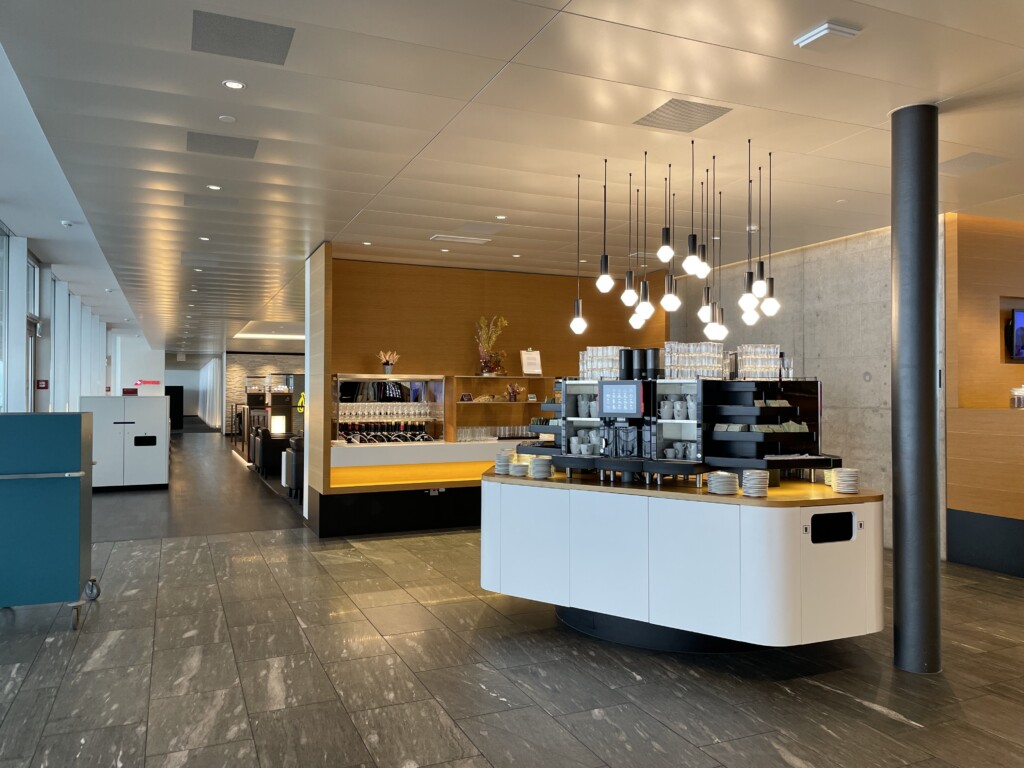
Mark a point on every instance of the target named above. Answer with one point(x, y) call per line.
point(531, 362)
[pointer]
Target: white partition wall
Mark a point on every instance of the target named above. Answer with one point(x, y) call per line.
point(60, 334)
point(74, 352)
point(15, 369)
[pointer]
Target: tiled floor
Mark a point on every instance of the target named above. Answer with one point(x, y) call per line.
point(275, 649)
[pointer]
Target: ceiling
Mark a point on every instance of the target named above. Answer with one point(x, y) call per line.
point(395, 120)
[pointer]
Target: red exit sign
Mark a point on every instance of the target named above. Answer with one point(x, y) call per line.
point(147, 383)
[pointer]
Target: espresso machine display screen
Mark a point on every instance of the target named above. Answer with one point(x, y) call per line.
point(620, 399)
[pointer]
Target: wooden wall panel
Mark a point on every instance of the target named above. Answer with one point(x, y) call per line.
point(429, 315)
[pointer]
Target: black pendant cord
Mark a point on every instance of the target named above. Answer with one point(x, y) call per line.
point(692, 186)
point(637, 249)
point(720, 233)
point(711, 203)
point(604, 226)
point(759, 213)
point(645, 215)
point(672, 220)
point(769, 214)
point(750, 192)
point(577, 237)
point(629, 213)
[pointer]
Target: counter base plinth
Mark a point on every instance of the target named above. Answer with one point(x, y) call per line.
point(651, 637)
point(350, 514)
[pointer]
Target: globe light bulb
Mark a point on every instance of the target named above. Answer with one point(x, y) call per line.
point(636, 321)
point(629, 295)
point(692, 260)
point(578, 324)
point(704, 314)
point(750, 317)
point(703, 269)
point(770, 306)
point(645, 309)
point(670, 302)
point(760, 288)
point(748, 302)
point(605, 283)
point(710, 331)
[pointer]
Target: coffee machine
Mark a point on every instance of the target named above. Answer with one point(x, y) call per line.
point(625, 427)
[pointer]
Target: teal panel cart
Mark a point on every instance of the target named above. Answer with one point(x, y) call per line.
point(46, 510)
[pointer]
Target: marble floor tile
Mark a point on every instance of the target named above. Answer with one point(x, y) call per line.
point(191, 629)
point(1013, 690)
point(261, 641)
point(196, 720)
point(309, 588)
point(193, 669)
point(119, 648)
point(187, 565)
point(231, 565)
point(467, 762)
point(625, 737)
point(417, 733)
point(351, 640)
point(108, 615)
point(612, 664)
point(51, 661)
point(249, 586)
point(237, 754)
point(100, 699)
point(177, 599)
point(467, 614)
point(172, 545)
point(473, 689)
point(527, 738)
point(433, 649)
point(262, 611)
point(509, 606)
point(436, 591)
point(514, 646)
point(995, 714)
point(20, 649)
point(374, 682)
point(312, 736)
point(410, 571)
point(401, 619)
point(561, 687)
point(11, 678)
point(122, 746)
point(770, 750)
point(297, 569)
point(701, 721)
point(24, 723)
point(373, 593)
point(131, 585)
point(352, 571)
point(967, 746)
point(27, 619)
point(285, 681)
point(333, 610)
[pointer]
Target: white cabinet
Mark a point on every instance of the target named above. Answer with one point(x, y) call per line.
point(534, 560)
point(770, 578)
point(695, 566)
point(130, 440)
point(608, 553)
point(490, 536)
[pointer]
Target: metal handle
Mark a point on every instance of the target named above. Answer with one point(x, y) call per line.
point(43, 476)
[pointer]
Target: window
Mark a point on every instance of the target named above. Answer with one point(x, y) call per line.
point(32, 297)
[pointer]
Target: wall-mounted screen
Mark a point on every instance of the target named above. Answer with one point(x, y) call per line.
point(619, 399)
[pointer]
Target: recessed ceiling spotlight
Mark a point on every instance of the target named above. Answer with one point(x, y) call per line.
point(367, 242)
point(840, 201)
point(196, 269)
point(195, 290)
point(828, 28)
point(583, 261)
point(191, 305)
point(67, 224)
point(226, 118)
point(214, 187)
point(444, 250)
point(126, 320)
point(501, 217)
point(204, 239)
point(109, 290)
point(234, 85)
point(188, 317)
point(516, 255)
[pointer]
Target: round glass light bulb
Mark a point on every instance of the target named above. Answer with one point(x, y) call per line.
point(578, 325)
point(636, 321)
point(770, 306)
point(704, 314)
point(710, 330)
point(748, 301)
point(691, 264)
point(750, 317)
point(665, 253)
point(629, 297)
point(645, 309)
point(670, 302)
point(760, 288)
point(703, 269)
point(605, 283)
point(723, 331)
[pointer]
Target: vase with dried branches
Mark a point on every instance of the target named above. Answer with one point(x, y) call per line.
point(513, 391)
point(487, 333)
point(388, 360)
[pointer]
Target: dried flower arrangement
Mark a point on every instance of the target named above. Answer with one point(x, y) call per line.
point(388, 358)
point(487, 333)
point(513, 391)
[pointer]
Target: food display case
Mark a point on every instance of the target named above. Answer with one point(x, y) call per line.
point(388, 409)
point(256, 391)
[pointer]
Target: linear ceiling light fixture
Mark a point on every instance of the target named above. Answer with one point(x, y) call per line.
point(605, 282)
point(822, 30)
point(461, 239)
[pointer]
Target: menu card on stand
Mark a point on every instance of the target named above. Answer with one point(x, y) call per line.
point(531, 362)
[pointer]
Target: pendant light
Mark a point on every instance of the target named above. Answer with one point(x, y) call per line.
point(704, 314)
point(692, 260)
point(645, 308)
point(760, 287)
point(721, 327)
point(637, 320)
point(770, 306)
point(666, 251)
point(629, 296)
point(670, 300)
point(578, 324)
point(703, 267)
point(748, 301)
point(711, 329)
point(605, 282)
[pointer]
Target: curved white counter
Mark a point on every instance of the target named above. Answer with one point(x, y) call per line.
point(675, 556)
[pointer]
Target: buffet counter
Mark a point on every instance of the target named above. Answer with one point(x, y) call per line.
point(803, 565)
point(369, 468)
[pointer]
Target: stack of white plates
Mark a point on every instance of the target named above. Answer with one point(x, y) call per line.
point(755, 482)
point(828, 477)
point(518, 470)
point(540, 467)
point(846, 480)
point(502, 462)
point(724, 483)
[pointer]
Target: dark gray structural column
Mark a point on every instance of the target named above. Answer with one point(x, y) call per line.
point(915, 392)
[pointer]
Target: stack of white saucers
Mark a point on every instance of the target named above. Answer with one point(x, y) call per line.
point(518, 470)
point(540, 467)
point(502, 462)
point(724, 483)
point(846, 480)
point(828, 477)
point(755, 482)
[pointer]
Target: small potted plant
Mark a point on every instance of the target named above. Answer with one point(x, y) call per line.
point(487, 333)
point(514, 391)
point(388, 360)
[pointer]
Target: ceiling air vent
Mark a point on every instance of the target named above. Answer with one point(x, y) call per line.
point(972, 162)
point(229, 146)
point(240, 38)
point(681, 115)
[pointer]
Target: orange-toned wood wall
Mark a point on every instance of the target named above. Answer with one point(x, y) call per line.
point(984, 437)
point(429, 315)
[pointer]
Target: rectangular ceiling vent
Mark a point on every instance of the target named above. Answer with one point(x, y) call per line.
point(210, 201)
point(229, 146)
point(972, 162)
point(681, 115)
point(460, 239)
point(240, 38)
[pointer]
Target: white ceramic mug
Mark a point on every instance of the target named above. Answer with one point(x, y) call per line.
point(670, 453)
point(593, 409)
point(665, 409)
point(587, 449)
point(678, 409)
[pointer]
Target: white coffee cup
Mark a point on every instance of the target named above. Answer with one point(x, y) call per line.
point(670, 453)
point(680, 449)
point(593, 409)
point(665, 409)
point(679, 409)
point(575, 448)
point(587, 449)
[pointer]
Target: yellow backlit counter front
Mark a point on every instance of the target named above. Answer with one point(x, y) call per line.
point(384, 467)
point(800, 566)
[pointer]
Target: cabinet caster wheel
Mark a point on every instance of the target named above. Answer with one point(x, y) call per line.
point(76, 614)
point(92, 589)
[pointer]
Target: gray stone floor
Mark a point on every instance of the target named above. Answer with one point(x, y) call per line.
point(271, 648)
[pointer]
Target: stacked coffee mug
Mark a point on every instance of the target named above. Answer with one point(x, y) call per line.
point(755, 482)
point(846, 480)
point(503, 461)
point(723, 483)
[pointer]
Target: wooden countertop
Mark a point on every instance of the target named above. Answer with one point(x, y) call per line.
point(792, 493)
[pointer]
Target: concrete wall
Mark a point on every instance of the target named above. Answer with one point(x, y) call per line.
point(188, 380)
point(238, 365)
point(835, 323)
